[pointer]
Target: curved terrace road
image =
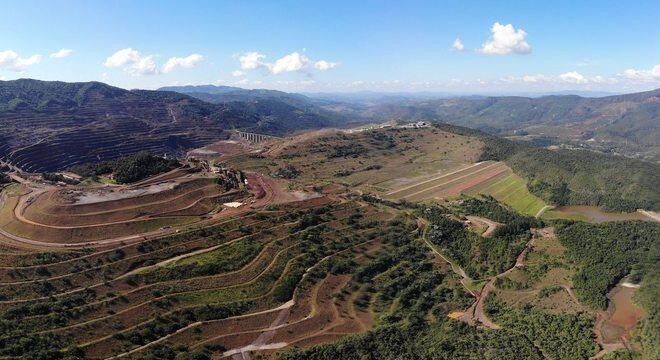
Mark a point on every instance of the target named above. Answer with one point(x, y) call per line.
point(267, 199)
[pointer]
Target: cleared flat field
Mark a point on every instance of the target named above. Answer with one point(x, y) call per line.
point(421, 188)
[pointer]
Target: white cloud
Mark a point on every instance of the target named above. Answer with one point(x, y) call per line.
point(534, 78)
point(10, 60)
point(184, 62)
point(325, 65)
point(104, 76)
point(458, 45)
point(573, 77)
point(643, 75)
point(237, 73)
point(251, 60)
point(294, 62)
point(122, 57)
point(62, 53)
point(290, 63)
point(506, 40)
point(144, 66)
point(136, 65)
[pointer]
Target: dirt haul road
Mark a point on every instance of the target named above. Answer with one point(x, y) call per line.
point(268, 192)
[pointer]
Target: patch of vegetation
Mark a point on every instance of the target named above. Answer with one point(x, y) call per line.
point(59, 178)
point(226, 258)
point(480, 256)
point(548, 291)
point(162, 326)
point(4, 178)
point(580, 177)
point(647, 296)
point(561, 336)
point(351, 150)
point(607, 252)
point(128, 169)
point(446, 340)
point(287, 172)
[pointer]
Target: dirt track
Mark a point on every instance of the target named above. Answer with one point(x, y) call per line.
point(269, 193)
point(492, 225)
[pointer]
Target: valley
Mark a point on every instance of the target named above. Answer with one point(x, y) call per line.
point(344, 180)
point(282, 246)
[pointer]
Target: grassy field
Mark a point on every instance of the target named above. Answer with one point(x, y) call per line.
point(510, 189)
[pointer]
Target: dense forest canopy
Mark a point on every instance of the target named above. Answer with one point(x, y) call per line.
point(580, 177)
point(607, 252)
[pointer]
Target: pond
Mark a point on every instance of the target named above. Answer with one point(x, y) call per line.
point(621, 315)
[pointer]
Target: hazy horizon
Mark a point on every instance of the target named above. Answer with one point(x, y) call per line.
point(467, 47)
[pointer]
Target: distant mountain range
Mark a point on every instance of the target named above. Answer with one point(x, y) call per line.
point(47, 125)
point(624, 124)
point(300, 112)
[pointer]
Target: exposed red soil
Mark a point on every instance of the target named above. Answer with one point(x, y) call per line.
point(477, 179)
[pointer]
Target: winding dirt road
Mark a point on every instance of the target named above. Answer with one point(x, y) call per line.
point(269, 194)
point(492, 225)
point(475, 313)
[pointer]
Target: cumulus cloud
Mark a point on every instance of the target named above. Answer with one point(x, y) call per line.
point(132, 62)
point(290, 63)
point(294, 62)
point(251, 60)
point(506, 40)
point(535, 78)
point(62, 53)
point(237, 73)
point(458, 45)
point(10, 60)
point(122, 57)
point(184, 62)
point(144, 66)
point(325, 65)
point(573, 77)
point(135, 64)
point(642, 74)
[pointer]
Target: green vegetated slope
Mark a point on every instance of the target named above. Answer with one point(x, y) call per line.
point(627, 124)
point(579, 177)
point(526, 333)
point(607, 252)
point(481, 256)
point(604, 254)
point(510, 189)
point(561, 336)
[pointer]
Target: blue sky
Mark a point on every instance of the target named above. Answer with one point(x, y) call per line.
point(337, 45)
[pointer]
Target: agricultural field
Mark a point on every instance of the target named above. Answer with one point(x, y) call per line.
point(510, 189)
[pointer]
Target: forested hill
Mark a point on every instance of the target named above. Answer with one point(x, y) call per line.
point(578, 177)
point(302, 111)
point(625, 124)
point(46, 126)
